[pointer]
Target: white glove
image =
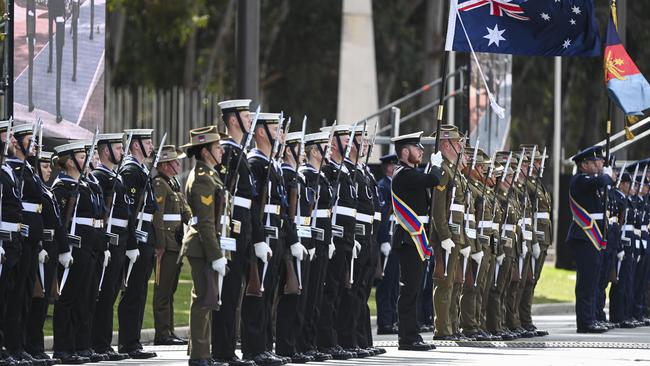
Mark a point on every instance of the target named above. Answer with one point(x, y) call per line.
point(2, 252)
point(42, 256)
point(263, 251)
point(536, 250)
point(312, 253)
point(219, 265)
point(447, 245)
point(465, 251)
point(107, 257)
point(524, 250)
point(500, 259)
point(66, 259)
point(356, 249)
point(436, 159)
point(330, 250)
point(608, 170)
point(298, 250)
point(133, 254)
point(385, 249)
point(620, 255)
point(477, 257)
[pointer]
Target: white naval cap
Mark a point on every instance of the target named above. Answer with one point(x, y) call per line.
point(234, 105)
point(317, 138)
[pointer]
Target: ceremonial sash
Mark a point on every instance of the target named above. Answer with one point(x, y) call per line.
point(587, 224)
point(410, 222)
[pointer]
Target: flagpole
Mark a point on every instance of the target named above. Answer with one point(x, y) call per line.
point(443, 86)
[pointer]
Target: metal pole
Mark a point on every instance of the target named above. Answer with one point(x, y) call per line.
point(451, 85)
point(10, 61)
point(557, 141)
point(395, 114)
point(248, 51)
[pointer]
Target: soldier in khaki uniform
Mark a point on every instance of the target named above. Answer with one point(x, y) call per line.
point(168, 222)
point(201, 242)
point(448, 237)
point(472, 263)
point(540, 204)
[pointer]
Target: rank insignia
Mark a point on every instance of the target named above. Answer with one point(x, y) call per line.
point(207, 200)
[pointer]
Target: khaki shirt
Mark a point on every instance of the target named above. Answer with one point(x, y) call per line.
point(173, 212)
point(482, 202)
point(448, 210)
point(510, 229)
point(542, 211)
point(201, 240)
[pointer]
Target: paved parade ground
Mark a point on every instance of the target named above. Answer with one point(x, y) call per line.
point(562, 347)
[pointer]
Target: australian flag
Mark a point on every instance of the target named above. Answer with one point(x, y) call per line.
point(524, 27)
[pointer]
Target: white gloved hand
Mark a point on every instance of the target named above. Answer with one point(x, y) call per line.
point(524, 250)
point(263, 251)
point(330, 250)
point(477, 257)
point(466, 251)
point(608, 171)
point(42, 256)
point(312, 253)
point(500, 259)
point(2, 252)
point(536, 250)
point(219, 265)
point(107, 257)
point(356, 249)
point(385, 249)
point(620, 255)
point(298, 251)
point(447, 245)
point(66, 259)
point(436, 159)
point(133, 254)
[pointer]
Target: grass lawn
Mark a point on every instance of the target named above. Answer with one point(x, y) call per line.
point(555, 286)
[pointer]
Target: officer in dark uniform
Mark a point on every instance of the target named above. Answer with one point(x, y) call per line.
point(118, 233)
point(139, 188)
point(388, 288)
point(641, 278)
point(267, 201)
point(19, 296)
point(319, 194)
point(236, 175)
point(410, 199)
point(585, 235)
point(76, 199)
point(290, 314)
point(343, 220)
point(10, 235)
point(54, 241)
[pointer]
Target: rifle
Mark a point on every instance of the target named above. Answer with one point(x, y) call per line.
point(468, 198)
point(539, 235)
point(71, 208)
point(354, 180)
point(297, 212)
point(526, 193)
point(645, 170)
point(143, 236)
point(4, 234)
point(313, 205)
point(337, 230)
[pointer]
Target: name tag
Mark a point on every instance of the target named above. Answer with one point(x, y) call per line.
point(337, 231)
point(271, 232)
point(318, 233)
point(142, 236)
point(229, 244)
point(304, 231)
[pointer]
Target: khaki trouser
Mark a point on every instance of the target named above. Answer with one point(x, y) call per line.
point(495, 316)
point(528, 290)
point(200, 317)
point(484, 283)
point(515, 291)
point(443, 294)
point(163, 293)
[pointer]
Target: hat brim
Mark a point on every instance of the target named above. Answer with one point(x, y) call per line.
point(215, 138)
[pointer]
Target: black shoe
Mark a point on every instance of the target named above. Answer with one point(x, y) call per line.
point(139, 354)
point(626, 324)
point(92, 355)
point(505, 336)
point(464, 338)
point(416, 346)
point(24, 356)
point(179, 338)
point(477, 336)
point(300, 358)
point(285, 360)
point(318, 356)
point(264, 359)
point(337, 354)
point(544, 333)
point(111, 355)
point(234, 361)
point(450, 337)
point(360, 352)
point(44, 356)
point(70, 358)
point(204, 362)
point(378, 350)
point(592, 329)
point(168, 341)
point(6, 360)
